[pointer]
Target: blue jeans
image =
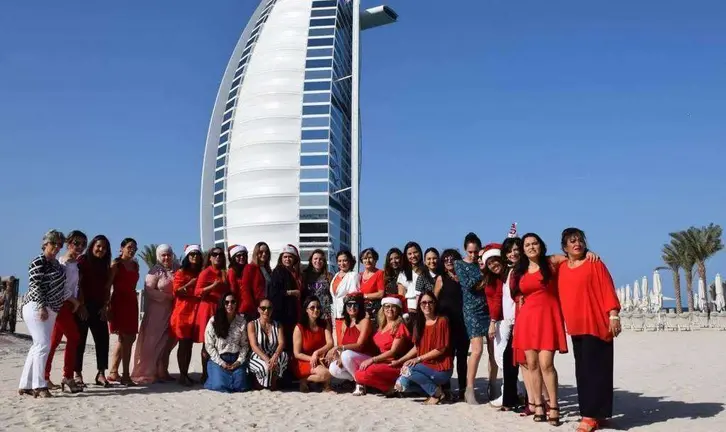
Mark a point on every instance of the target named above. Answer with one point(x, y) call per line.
point(222, 380)
point(424, 378)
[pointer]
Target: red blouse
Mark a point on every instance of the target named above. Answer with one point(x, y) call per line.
point(494, 294)
point(587, 295)
point(206, 278)
point(351, 336)
point(436, 337)
point(373, 284)
point(252, 288)
point(384, 340)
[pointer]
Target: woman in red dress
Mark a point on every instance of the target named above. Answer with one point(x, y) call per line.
point(393, 341)
point(591, 310)
point(256, 280)
point(539, 329)
point(371, 282)
point(123, 310)
point(237, 262)
point(211, 284)
point(311, 340)
point(184, 313)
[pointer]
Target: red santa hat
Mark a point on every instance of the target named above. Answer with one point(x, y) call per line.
point(491, 250)
point(191, 248)
point(290, 249)
point(396, 300)
point(235, 249)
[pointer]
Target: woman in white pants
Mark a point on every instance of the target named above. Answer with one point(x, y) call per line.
point(356, 344)
point(44, 299)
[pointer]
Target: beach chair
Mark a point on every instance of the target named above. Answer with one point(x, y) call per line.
point(651, 322)
point(719, 320)
point(671, 321)
point(684, 321)
point(638, 322)
point(625, 320)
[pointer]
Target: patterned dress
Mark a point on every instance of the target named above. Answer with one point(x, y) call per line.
point(268, 344)
point(321, 289)
point(476, 311)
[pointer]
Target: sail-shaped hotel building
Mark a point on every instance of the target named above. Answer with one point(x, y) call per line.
point(282, 161)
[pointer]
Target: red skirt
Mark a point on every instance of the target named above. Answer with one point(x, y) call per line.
point(381, 376)
point(205, 311)
point(539, 326)
point(300, 368)
point(183, 317)
point(124, 313)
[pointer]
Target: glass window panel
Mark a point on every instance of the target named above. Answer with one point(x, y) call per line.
point(315, 121)
point(229, 105)
point(313, 228)
point(221, 150)
point(220, 162)
point(314, 147)
point(323, 13)
point(236, 82)
point(218, 186)
point(320, 52)
point(232, 94)
point(219, 222)
point(320, 63)
point(320, 42)
point(218, 174)
point(313, 200)
point(238, 73)
point(247, 51)
point(319, 22)
point(318, 74)
point(219, 235)
point(218, 198)
point(317, 85)
point(326, 3)
point(224, 138)
point(316, 109)
point(226, 126)
point(314, 186)
point(312, 214)
point(227, 116)
point(316, 173)
point(313, 160)
point(329, 31)
point(316, 97)
point(218, 210)
point(316, 134)
point(314, 239)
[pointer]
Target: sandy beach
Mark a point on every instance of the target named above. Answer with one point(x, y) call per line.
point(664, 382)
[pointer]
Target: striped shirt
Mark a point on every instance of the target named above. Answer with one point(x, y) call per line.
point(46, 283)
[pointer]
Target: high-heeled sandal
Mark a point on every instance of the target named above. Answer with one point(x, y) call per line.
point(51, 386)
point(554, 420)
point(538, 418)
point(526, 412)
point(127, 381)
point(72, 386)
point(102, 382)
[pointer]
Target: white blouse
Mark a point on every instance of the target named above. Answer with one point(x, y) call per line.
point(235, 342)
point(410, 286)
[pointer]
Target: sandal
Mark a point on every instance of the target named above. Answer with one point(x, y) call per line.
point(587, 425)
point(73, 387)
point(23, 392)
point(51, 386)
point(102, 381)
point(554, 420)
point(113, 377)
point(42, 393)
point(526, 412)
point(538, 418)
point(127, 381)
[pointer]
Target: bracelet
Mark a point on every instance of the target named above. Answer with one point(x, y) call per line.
point(614, 318)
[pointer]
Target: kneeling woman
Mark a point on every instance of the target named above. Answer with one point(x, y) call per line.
point(356, 344)
point(225, 340)
point(393, 340)
point(428, 365)
point(311, 340)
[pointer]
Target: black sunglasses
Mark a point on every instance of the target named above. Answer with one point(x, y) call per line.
point(215, 254)
point(351, 304)
point(265, 308)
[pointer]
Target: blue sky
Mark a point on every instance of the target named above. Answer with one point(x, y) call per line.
point(608, 116)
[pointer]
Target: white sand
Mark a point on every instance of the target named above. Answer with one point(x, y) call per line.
point(664, 382)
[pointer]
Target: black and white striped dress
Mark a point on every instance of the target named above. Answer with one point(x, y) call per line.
point(46, 283)
point(268, 344)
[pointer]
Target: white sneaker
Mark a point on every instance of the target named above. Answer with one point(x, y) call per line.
point(497, 403)
point(360, 390)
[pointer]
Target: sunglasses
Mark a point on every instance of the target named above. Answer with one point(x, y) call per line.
point(215, 254)
point(352, 305)
point(427, 303)
point(389, 306)
point(230, 302)
point(265, 308)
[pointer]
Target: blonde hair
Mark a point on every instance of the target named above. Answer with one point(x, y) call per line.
point(53, 236)
point(383, 321)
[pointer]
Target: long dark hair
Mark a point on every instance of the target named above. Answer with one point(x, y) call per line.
point(419, 324)
point(407, 266)
point(523, 265)
point(221, 255)
point(488, 276)
point(311, 275)
point(388, 271)
point(187, 265)
point(361, 309)
point(507, 246)
point(106, 259)
point(221, 323)
point(304, 319)
point(441, 269)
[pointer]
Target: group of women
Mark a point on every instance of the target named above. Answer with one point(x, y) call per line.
point(397, 330)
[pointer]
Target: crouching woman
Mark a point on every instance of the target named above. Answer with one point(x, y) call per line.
point(225, 339)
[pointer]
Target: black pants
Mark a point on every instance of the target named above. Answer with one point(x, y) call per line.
point(510, 371)
point(460, 351)
point(594, 374)
point(99, 330)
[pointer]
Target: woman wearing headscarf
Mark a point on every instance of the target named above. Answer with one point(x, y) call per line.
point(151, 357)
point(46, 294)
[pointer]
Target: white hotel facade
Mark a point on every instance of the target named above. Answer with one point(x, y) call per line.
point(282, 160)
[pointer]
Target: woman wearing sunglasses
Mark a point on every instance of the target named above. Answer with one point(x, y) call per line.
point(268, 360)
point(311, 339)
point(211, 284)
point(225, 339)
point(356, 344)
point(428, 365)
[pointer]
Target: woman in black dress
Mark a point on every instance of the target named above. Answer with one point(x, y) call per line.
point(448, 293)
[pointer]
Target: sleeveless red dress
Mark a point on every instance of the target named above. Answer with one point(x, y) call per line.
point(539, 324)
point(351, 336)
point(184, 314)
point(124, 303)
point(311, 341)
point(208, 302)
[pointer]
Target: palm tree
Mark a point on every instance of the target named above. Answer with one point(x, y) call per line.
point(701, 244)
point(148, 255)
point(672, 260)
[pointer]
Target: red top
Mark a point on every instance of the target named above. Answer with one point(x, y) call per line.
point(384, 340)
point(336, 281)
point(436, 337)
point(587, 295)
point(494, 299)
point(311, 340)
point(184, 312)
point(206, 278)
point(252, 289)
point(351, 336)
point(539, 325)
point(373, 284)
point(93, 277)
